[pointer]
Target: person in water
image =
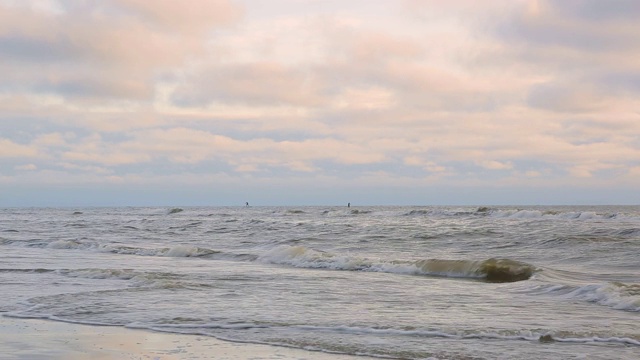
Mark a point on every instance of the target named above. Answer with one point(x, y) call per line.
point(348, 204)
point(247, 204)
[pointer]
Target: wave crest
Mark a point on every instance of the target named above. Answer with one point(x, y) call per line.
point(506, 270)
point(188, 251)
point(490, 270)
point(616, 295)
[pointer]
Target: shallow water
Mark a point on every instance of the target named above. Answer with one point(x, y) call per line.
point(392, 282)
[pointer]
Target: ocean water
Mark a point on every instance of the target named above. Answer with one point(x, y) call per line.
point(389, 282)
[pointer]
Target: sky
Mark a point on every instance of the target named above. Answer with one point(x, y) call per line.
point(319, 102)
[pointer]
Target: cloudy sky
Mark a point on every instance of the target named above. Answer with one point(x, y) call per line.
point(319, 102)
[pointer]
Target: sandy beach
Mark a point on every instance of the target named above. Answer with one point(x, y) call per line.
point(34, 339)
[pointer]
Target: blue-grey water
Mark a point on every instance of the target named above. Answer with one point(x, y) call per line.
point(390, 282)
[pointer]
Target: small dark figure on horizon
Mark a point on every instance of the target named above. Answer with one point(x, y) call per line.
point(348, 204)
point(247, 204)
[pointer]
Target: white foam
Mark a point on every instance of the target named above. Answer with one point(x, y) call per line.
point(537, 214)
point(128, 250)
point(99, 273)
point(588, 215)
point(525, 214)
point(300, 256)
point(175, 251)
point(525, 335)
point(184, 251)
point(615, 295)
point(67, 244)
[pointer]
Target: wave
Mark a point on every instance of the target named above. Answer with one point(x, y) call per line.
point(616, 295)
point(185, 226)
point(193, 327)
point(174, 211)
point(611, 236)
point(69, 244)
point(314, 337)
point(631, 232)
point(515, 213)
point(138, 278)
point(427, 213)
point(174, 251)
point(188, 251)
point(537, 214)
point(119, 274)
point(358, 212)
point(295, 211)
point(135, 278)
point(491, 270)
point(132, 278)
point(37, 270)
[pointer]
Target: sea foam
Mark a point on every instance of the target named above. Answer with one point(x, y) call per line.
point(616, 295)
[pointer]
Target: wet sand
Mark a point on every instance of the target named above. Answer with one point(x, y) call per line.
point(34, 339)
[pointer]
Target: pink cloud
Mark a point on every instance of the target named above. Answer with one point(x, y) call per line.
point(196, 15)
point(107, 49)
point(253, 84)
point(10, 149)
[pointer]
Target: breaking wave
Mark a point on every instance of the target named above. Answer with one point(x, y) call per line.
point(174, 251)
point(516, 213)
point(616, 295)
point(188, 251)
point(491, 270)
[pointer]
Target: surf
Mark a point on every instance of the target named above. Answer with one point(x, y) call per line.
point(489, 270)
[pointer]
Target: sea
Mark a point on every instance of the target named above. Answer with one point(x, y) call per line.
point(393, 282)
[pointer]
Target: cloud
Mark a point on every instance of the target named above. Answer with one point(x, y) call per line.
point(407, 93)
point(188, 146)
point(26, 167)
point(565, 97)
point(495, 165)
point(582, 25)
point(108, 49)
point(93, 149)
point(367, 98)
point(400, 70)
point(47, 141)
point(197, 16)
point(10, 149)
point(252, 84)
point(613, 10)
point(580, 49)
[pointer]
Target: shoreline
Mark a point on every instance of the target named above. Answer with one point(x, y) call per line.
point(39, 339)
